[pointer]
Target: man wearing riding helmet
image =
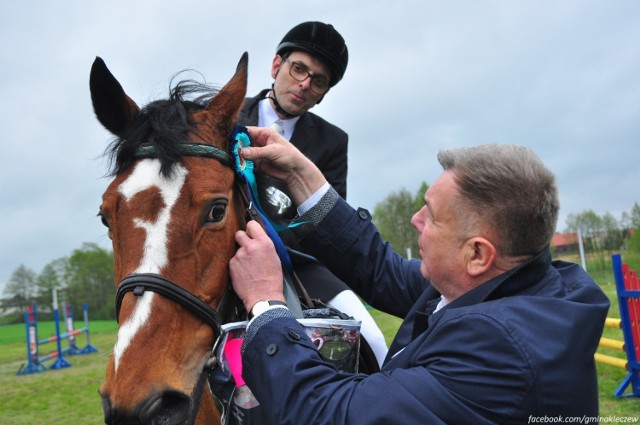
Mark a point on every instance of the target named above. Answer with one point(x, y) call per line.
point(311, 58)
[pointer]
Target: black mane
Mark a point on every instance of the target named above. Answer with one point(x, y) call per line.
point(163, 124)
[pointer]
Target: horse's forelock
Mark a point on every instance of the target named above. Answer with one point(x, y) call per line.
point(164, 124)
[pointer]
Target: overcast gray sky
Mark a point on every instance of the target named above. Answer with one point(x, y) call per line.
point(559, 76)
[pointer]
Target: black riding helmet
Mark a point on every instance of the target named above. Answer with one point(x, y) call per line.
point(321, 40)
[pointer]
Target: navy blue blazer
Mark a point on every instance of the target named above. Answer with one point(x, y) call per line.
point(520, 345)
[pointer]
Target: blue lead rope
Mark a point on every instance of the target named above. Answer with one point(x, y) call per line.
point(244, 169)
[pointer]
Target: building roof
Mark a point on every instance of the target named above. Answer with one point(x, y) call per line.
point(564, 239)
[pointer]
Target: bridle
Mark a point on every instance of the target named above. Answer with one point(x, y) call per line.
point(138, 283)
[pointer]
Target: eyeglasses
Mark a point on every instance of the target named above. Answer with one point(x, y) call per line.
point(319, 83)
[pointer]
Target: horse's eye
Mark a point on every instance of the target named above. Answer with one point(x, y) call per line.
point(103, 219)
point(217, 211)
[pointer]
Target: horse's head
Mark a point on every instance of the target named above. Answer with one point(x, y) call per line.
point(171, 212)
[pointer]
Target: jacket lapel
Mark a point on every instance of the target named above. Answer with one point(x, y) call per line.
point(304, 135)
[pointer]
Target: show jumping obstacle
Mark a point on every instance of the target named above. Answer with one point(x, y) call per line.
point(35, 363)
point(612, 344)
point(628, 289)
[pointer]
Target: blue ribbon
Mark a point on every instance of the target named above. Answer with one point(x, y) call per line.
point(244, 169)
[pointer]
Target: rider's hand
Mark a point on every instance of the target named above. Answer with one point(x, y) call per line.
point(256, 273)
point(272, 154)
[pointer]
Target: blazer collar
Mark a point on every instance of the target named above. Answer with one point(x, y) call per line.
point(515, 281)
point(249, 113)
point(302, 134)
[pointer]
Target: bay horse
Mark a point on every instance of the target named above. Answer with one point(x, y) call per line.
point(171, 212)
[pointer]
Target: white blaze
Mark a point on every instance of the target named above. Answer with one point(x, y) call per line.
point(154, 256)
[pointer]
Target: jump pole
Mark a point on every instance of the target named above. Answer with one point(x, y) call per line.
point(72, 347)
point(60, 362)
point(34, 361)
point(34, 365)
point(88, 348)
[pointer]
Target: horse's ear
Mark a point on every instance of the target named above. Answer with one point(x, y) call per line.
point(114, 109)
point(225, 106)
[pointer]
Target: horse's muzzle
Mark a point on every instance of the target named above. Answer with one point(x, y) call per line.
point(169, 407)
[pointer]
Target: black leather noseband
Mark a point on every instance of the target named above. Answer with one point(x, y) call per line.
point(140, 282)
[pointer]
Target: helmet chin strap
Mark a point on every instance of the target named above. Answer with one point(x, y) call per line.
point(279, 108)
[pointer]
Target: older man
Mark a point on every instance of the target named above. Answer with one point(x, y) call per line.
point(493, 331)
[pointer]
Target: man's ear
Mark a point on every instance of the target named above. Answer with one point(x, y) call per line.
point(480, 256)
point(275, 65)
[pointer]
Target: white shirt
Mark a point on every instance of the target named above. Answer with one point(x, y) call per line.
point(442, 303)
point(267, 116)
point(313, 199)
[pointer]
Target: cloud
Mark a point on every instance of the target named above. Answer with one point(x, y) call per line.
point(558, 77)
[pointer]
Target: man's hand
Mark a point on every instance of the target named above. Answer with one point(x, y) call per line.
point(273, 155)
point(256, 272)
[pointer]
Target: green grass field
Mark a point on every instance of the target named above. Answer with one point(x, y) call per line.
point(70, 396)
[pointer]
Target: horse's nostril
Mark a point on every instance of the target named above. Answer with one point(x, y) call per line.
point(167, 408)
point(106, 409)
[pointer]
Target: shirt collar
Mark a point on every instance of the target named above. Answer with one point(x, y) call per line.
point(267, 116)
point(443, 302)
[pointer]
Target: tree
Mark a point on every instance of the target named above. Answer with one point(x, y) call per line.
point(89, 277)
point(632, 236)
point(52, 277)
point(613, 233)
point(635, 216)
point(393, 215)
point(604, 233)
point(589, 223)
point(22, 288)
point(634, 242)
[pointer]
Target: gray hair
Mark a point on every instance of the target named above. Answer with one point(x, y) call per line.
point(507, 191)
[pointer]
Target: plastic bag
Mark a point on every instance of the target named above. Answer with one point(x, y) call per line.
point(337, 340)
